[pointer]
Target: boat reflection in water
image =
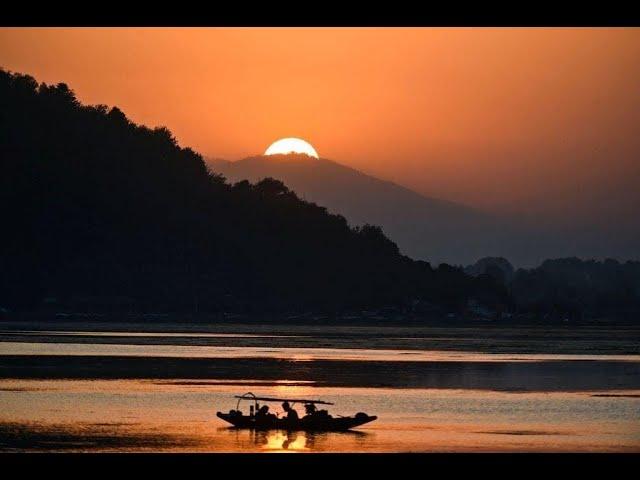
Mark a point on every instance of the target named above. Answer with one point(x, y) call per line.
point(281, 440)
point(293, 441)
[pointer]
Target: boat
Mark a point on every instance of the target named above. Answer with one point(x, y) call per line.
point(315, 420)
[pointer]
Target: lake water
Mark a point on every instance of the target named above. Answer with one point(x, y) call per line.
point(135, 387)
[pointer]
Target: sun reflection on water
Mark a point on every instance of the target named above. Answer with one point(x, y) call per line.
point(280, 441)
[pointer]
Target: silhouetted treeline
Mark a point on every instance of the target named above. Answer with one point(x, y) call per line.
point(99, 211)
point(569, 287)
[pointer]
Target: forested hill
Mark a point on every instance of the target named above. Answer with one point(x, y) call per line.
point(96, 207)
point(424, 228)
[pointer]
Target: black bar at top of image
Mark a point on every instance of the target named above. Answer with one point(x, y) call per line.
point(368, 14)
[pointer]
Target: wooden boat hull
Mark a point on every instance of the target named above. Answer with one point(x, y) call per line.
point(304, 424)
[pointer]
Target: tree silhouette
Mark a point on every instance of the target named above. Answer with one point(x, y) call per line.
point(100, 211)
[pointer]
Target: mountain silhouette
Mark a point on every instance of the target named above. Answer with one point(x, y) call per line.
point(429, 229)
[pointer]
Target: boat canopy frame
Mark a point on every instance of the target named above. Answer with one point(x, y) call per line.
point(250, 396)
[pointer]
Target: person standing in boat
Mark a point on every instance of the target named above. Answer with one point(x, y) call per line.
point(291, 413)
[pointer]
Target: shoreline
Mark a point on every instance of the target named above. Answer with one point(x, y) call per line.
point(361, 319)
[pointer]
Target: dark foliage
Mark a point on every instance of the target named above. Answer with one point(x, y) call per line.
point(568, 287)
point(97, 209)
point(579, 288)
point(497, 267)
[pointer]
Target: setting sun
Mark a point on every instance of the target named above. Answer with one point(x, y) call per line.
point(291, 145)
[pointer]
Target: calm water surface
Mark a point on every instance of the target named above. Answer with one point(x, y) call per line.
point(468, 399)
point(146, 415)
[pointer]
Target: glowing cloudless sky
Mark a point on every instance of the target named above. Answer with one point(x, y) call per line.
point(524, 121)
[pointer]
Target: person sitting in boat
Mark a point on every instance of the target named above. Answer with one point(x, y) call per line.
point(323, 413)
point(262, 412)
point(291, 413)
point(313, 412)
point(310, 409)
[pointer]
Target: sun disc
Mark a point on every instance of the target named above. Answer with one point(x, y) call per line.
point(291, 145)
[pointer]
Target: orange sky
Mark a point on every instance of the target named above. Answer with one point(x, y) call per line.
point(525, 121)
